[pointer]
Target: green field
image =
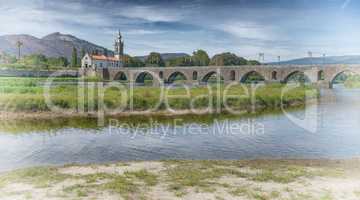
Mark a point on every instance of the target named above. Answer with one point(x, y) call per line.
point(27, 94)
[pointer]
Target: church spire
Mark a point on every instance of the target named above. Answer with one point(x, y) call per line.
point(119, 46)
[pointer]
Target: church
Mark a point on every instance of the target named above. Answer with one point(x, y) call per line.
point(103, 61)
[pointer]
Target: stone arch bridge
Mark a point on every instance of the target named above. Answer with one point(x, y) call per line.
point(323, 75)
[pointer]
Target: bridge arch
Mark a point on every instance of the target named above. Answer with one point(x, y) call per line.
point(206, 77)
point(105, 74)
point(145, 78)
point(339, 73)
point(321, 75)
point(232, 75)
point(252, 76)
point(173, 76)
point(296, 76)
point(120, 76)
point(274, 76)
point(195, 75)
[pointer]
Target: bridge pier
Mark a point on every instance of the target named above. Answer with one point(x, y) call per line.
point(272, 81)
point(324, 84)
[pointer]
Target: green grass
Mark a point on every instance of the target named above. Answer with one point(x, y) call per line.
point(204, 175)
point(281, 175)
point(26, 94)
point(125, 187)
point(37, 176)
point(148, 178)
point(353, 81)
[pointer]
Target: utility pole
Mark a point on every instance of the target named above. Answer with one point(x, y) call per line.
point(279, 59)
point(261, 57)
point(310, 54)
point(19, 44)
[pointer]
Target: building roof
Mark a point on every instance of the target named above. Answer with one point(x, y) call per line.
point(102, 57)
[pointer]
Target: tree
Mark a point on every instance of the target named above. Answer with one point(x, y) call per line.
point(18, 45)
point(200, 58)
point(132, 62)
point(95, 52)
point(58, 62)
point(253, 62)
point(83, 52)
point(154, 60)
point(180, 61)
point(227, 59)
point(6, 58)
point(63, 61)
point(106, 52)
point(74, 58)
point(35, 60)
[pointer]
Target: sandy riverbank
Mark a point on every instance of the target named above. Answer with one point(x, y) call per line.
point(260, 179)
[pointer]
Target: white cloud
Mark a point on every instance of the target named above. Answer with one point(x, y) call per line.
point(249, 30)
point(35, 20)
point(142, 32)
point(152, 13)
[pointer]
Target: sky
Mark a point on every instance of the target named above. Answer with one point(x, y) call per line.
point(286, 28)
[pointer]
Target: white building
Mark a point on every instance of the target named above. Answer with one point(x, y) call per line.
point(102, 61)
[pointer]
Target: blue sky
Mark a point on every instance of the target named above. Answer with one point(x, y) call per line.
point(289, 28)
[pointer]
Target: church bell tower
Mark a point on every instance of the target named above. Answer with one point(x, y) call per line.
point(119, 46)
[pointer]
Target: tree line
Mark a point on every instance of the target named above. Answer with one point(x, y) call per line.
point(198, 58)
point(154, 59)
point(38, 61)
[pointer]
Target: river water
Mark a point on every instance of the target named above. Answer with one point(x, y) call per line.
point(331, 130)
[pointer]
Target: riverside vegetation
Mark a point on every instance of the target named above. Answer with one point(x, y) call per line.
point(27, 95)
point(352, 81)
point(215, 180)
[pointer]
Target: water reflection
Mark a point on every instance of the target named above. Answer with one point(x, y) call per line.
point(62, 141)
point(26, 126)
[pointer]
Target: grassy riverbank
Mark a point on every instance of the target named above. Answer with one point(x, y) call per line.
point(27, 95)
point(257, 179)
point(353, 82)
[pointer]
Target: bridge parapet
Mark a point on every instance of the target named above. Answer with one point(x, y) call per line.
point(196, 74)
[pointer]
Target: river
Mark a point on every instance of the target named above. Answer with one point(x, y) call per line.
point(335, 135)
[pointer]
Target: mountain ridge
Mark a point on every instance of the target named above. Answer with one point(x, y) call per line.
point(61, 45)
point(346, 59)
point(58, 45)
point(51, 45)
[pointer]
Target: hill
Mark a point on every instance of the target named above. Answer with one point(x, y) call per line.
point(354, 59)
point(57, 45)
point(53, 45)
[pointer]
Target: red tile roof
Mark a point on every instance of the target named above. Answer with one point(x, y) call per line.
point(102, 57)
